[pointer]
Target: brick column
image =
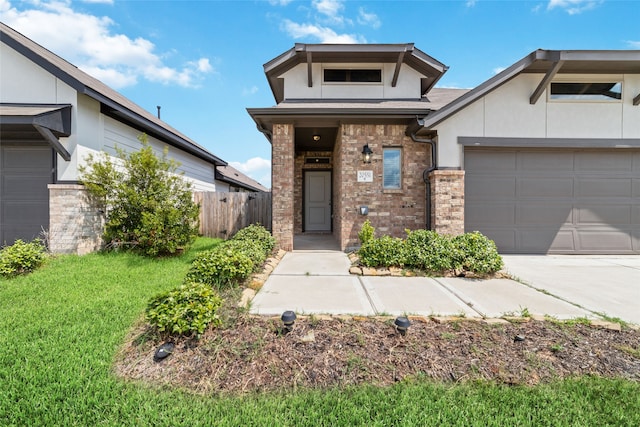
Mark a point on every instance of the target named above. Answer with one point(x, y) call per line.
point(75, 225)
point(282, 188)
point(447, 201)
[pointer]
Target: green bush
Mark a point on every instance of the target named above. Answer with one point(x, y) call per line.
point(429, 251)
point(477, 253)
point(187, 310)
point(21, 258)
point(367, 232)
point(148, 205)
point(254, 250)
point(257, 234)
point(222, 267)
point(385, 251)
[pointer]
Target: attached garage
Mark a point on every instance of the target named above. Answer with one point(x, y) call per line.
point(26, 168)
point(554, 200)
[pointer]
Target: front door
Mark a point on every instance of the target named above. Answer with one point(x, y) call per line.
point(317, 201)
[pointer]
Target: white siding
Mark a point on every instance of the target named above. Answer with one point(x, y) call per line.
point(296, 85)
point(199, 172)
point(506, 112)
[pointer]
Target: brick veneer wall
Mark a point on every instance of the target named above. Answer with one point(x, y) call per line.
point(75, 225)
point(282, 185)
point(447, 195)
point(390, 211)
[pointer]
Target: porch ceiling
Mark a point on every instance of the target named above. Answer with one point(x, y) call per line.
point(304, 138)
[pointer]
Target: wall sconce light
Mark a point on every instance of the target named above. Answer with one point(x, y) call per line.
point(402, 324)
point(316, 138)
point(366, 154)
point(288, 319)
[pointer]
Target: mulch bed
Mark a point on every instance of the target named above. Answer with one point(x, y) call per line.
point(255, 355)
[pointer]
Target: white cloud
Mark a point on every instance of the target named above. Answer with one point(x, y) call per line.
point(369, 19)
point(98, 1)
point(574, 7)
point(279, 2)
point(257, 168)
point(322, 34)
point(498, 70)
point(331, 9)
point(633, 44)
point(89, 43)
point(470, 3)
point(250, 91)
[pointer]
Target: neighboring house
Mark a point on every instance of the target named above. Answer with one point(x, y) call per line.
point(52, 115)
point(543, 158)
point(232, 180)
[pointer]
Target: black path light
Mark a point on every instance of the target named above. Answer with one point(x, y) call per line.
point(366, 153)
point(402, 324)
point(164, 351)
point(288, 319)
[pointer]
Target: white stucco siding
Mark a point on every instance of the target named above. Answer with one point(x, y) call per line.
point(507, 113)
point(296, 83)
point(22, 81)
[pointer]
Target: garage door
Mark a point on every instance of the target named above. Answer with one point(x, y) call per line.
point(554, 201)
point(25, 172)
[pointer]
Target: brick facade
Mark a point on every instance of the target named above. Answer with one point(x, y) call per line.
point(447, 196)
point(75, 225)
point(390, 211)
point(282, 184)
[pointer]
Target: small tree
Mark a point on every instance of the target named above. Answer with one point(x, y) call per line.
point(147, 204)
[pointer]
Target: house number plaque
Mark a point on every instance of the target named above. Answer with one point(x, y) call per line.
point(365, 176)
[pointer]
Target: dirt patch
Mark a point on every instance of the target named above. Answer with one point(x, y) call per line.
point(255, 355)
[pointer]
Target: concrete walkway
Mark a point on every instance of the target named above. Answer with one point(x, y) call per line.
point(318, 282)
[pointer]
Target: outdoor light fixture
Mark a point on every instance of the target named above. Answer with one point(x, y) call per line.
point(316, 138)
point(402, 324)
point(163, 351)
point(366, 154)
point(288, 319)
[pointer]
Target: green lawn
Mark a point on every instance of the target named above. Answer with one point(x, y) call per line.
point(61, 327)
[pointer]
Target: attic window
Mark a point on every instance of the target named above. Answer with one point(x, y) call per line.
point(334, 75)
point(586, 91)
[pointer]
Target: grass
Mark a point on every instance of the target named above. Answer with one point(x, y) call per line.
point(61, 327)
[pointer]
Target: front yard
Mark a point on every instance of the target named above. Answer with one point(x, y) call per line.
point(62, 328)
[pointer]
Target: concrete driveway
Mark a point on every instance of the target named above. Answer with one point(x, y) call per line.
point(609, 285)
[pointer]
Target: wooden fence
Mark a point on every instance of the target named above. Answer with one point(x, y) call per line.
point(223, 214)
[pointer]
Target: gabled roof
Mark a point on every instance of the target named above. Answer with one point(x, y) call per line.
point(547, 62)
point(232, 176)
point(398, 54)
point(112, 102)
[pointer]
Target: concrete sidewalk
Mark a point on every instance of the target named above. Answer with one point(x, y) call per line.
point(311, 282)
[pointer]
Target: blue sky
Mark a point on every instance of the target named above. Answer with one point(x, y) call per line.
point(202, 60)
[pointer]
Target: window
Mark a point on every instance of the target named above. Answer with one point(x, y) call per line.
point(352, 76)
point(586, 91)
point(391, 168)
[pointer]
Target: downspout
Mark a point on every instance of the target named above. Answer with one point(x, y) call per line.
point(266, 132)
point(427, 171)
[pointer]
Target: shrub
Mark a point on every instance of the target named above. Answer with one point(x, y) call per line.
point(221, 267)
point(367, 232)
point(257, 234)
point(21, 258)
point(477, 253)
point(186, 310)
point(255, 251)
point(383, 252)
point(429, 251)
point(147, 204)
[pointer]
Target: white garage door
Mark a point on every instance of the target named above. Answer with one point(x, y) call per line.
point(554, 201)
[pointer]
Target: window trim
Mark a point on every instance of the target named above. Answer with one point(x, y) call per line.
point(389, 149)
point(584, 80)
point(381, 82)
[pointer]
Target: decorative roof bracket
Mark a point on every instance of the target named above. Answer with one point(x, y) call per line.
point(309, 69)
point(396, 73)
point(545, 81)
